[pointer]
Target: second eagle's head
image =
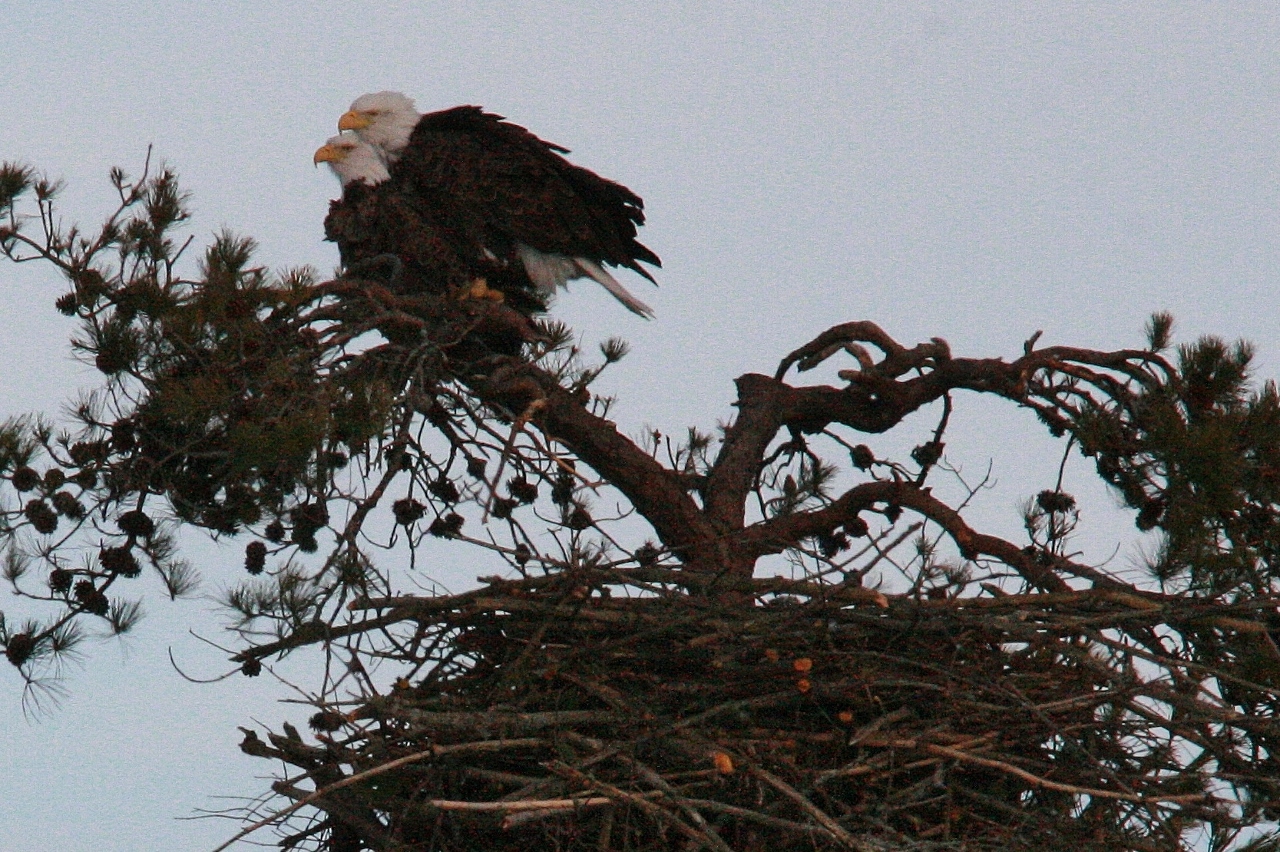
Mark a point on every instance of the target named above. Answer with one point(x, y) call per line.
point(383, 119)
point(352, 160)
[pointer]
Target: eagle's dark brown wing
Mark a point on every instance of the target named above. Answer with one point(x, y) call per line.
point(500, 185)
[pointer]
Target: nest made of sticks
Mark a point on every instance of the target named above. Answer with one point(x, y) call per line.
point(653, 709)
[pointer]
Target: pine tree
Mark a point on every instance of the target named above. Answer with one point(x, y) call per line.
point(631, 675)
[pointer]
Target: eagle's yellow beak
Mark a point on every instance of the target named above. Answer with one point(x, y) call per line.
point(352, 120)
point(329, 154)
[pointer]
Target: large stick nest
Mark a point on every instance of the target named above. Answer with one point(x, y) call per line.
point(655, 709)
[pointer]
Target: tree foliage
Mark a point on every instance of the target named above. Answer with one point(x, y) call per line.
point(637, 672)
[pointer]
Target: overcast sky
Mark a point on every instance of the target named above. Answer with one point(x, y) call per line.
point(975, 171)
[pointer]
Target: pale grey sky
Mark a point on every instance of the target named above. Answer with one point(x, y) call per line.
point(973, 170)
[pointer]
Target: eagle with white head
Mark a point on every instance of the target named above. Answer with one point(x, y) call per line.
point(383, 119)
point(497, 187)
point(353, 160)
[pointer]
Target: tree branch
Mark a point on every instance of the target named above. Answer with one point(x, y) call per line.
point(656, 492)
point(777, 534)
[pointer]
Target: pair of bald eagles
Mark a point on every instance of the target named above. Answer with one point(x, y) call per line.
point(465, 198)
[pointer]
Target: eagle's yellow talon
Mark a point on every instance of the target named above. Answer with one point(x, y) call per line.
point(477, 289)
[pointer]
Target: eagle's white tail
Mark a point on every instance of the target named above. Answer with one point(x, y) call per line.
point(598, 273)
point(549, 271)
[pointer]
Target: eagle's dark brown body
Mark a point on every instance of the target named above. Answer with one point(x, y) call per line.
point(394, 238)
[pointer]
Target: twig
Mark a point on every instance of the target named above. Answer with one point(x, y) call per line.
point(381, 769)
point(822, 817)
point(707, 836)
point(956, 753)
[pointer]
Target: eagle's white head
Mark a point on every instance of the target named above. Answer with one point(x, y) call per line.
point(352, 159)
point(383, 119)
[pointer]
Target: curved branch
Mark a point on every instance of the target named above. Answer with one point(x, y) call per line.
point(777, 534)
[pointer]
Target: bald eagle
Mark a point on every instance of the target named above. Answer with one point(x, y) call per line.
point(353, 160)
point(500, 195)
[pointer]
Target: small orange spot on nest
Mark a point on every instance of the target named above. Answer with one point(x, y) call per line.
point(771, 655)
point(804, 685)
point(803, 664)
point(845, 716)
point(402, 683)
point(724, 763)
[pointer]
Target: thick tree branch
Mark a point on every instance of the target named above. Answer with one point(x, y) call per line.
point(656, 492)
point(734, 472)
point(875, 403)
